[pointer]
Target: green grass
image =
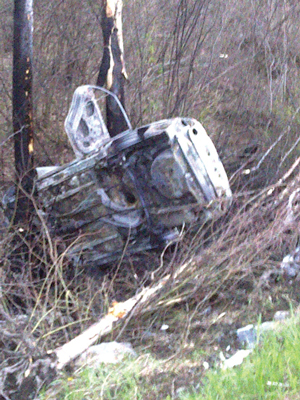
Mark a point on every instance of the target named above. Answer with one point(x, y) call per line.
point(115, 381)
point(272, 371)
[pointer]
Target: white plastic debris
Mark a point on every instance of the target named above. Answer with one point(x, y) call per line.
point(164, 327)
point(266, 326)
point(281, 315)
point(279, 384)
point(222, 357)
point(236, 359)
point(205, 365)
point(246, 171)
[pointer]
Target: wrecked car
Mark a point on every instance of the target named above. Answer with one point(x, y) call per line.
point(132, 192)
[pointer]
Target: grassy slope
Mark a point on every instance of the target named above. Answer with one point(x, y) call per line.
point(272, 371)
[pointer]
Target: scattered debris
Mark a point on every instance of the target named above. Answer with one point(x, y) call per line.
point(205, 365)
point(281, 315)
point(248, 335)
point(279, 384)
point(236, 359)
point(164, 327)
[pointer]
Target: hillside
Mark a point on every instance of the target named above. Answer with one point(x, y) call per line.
point(235, 68)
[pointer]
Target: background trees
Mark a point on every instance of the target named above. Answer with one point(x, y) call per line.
point(234, 66)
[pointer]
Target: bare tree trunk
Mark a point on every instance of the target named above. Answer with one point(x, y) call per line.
point(22, 105)
point(112, 72)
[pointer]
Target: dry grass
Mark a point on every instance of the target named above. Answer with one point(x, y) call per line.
point(217, 284)
point(224, 259)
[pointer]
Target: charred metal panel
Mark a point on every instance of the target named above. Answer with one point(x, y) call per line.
point(84, 124)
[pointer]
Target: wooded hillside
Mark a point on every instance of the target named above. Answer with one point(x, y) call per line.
point(234, 66)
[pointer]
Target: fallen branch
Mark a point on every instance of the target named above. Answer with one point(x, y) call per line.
point(118, 311)
point(42, 371)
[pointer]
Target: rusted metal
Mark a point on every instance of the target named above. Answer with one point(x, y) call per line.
point(131, 191)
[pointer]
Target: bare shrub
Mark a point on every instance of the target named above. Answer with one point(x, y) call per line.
point(233, 66)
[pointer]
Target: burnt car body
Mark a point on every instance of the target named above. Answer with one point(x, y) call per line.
point(133, 192)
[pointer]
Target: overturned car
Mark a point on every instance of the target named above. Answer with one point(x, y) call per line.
point(132, 192)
